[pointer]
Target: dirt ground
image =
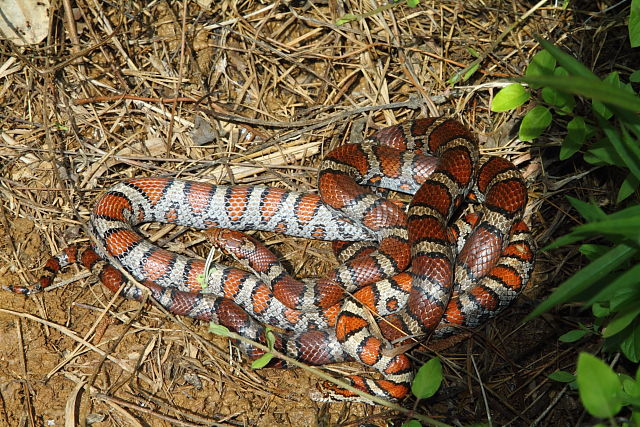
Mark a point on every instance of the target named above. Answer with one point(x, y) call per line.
point(255, 93)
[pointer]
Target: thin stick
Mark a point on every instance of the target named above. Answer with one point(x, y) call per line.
point(319, 373)
point(78, 339)
point(180, 72)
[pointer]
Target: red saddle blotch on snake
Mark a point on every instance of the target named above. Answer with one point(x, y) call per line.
point(418, 273)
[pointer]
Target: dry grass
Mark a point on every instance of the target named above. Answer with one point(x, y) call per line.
point(254, 93)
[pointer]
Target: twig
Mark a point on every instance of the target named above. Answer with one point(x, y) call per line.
point(183, 36)
point(484, 395)
point(497, 42)
point(78, 339)
point(25, 382)
point(319, 373)
point(94, 99)
point(151, 412)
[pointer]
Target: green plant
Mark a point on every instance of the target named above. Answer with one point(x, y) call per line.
point(602, 391)
point(426, 383)
point(270, 338)
point(609, 283)
point(608, 135)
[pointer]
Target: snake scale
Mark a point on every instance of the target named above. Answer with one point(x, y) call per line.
point(418, 273)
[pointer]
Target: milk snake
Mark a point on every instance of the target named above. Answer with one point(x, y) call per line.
point(434, 159)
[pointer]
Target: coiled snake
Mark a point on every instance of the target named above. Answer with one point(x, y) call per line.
point(406, 265)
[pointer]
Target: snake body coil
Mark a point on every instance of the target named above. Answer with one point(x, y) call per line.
point(406, 266)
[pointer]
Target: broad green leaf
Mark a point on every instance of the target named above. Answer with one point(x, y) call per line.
point(601, 153)
point(509, 97)
point(577, 132)
point(620, 321)
point(631, 146)
point(600, 310)
point(626, 227)
point(262, 361)
point(573, 336)
point(577, 234)
point(572, 65)
point(589, 88)
point(628, 400)
point(634, 24)
point(412, 423)
point(562, 376)
point(598, 386)
point(625, 342)
point(630, 386)
point(624, 298)
point(588, 211)
point(428, 379)
point(627, 188)
point(270, 337)
point(585, 278)
point(618, 227)
point(635, 76)
point(542, 64)
point(413, 3)
point(630, 212)
point(563, 102)
point(613, 78)
point(218, 329)
point(567, 239)
point(592, 251)
point(631, 345)
point(612, 228)
point(624, 146)
point(628, 120)
point(599, 107)
point(534, 123)
point(629, 88)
